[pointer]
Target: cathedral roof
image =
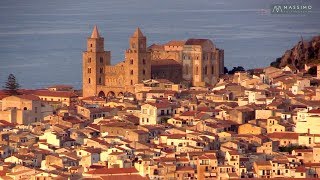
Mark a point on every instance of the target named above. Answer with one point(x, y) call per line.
point(165, 62)
point(137, 33)
point(95, 32)
point(196, 41)
point(175, 43)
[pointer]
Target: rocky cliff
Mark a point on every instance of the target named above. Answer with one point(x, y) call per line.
point(304, 52)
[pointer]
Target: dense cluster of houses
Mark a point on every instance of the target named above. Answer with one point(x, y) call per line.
point(259, 124)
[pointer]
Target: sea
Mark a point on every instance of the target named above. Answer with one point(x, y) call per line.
point(41, 41)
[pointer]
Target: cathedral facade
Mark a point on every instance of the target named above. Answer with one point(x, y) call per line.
point(196, 61)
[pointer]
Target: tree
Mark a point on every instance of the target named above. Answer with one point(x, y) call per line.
point(225, 69)
point(11, 86)
point(236, 69)
point(312, 71)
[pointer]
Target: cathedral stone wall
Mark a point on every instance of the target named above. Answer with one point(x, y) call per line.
point(196, 61)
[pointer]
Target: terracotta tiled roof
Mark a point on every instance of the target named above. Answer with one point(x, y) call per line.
point(67, 94)
point(124, 177)
point(185, 168)
point(161, 104)
point(283, 135)
point(189, 113)
point(94, 98)
point(175, 43)
point(60, 86)
point(196, 41)
point(99, 110)
point(156, 47)
point(113, 171)
point(29, 97)
point(301, 169)
point(315, 111)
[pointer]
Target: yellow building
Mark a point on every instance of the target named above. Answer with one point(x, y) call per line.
point(153, 113)
point(308, 122)
point(262, 169)
point(21, 109)
point(273, 125)
point(250, 129)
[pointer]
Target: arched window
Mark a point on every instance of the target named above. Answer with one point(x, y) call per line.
point(100, 81)
point(101, 59)
point(212, 69)
point(25, 108)
point(89, 70)
point(187, 69)
point(101, 70)
point(143, 61)
point(90, 45)
point(144, 72)
point(197, 70)
point(131, 82)
point(89, 80)
point(89, 60)
point(131, 72)
point(131, 61)
point(205, 70)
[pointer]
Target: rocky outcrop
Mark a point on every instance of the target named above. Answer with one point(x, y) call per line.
point(302, 53)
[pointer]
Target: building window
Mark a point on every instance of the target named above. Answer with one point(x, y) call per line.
point(144, 72)
point(309, 140)
point(197, 70)
point(25, 108)
point(89, 60)
point(89, 70)
point(100, 81)
point(143, 61)
point(162, 112)
point(101, 70)
point(131, 61)
point(131, 82)
point(211, 69)
point(90, 45)
point(89, 80)
point(205, 70)
point(187, 69)
point(101, 59)
point(131, 72)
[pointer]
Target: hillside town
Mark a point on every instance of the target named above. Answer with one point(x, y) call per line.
point(262, 123)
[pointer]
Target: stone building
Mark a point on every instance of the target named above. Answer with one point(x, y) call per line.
point(196, 61)
point(22, 109)
point(318, 71)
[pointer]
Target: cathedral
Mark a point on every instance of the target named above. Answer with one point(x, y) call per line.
point(195, 61)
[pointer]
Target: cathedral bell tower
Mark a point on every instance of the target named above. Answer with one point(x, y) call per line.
point(94, 60)
point(137, 61)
